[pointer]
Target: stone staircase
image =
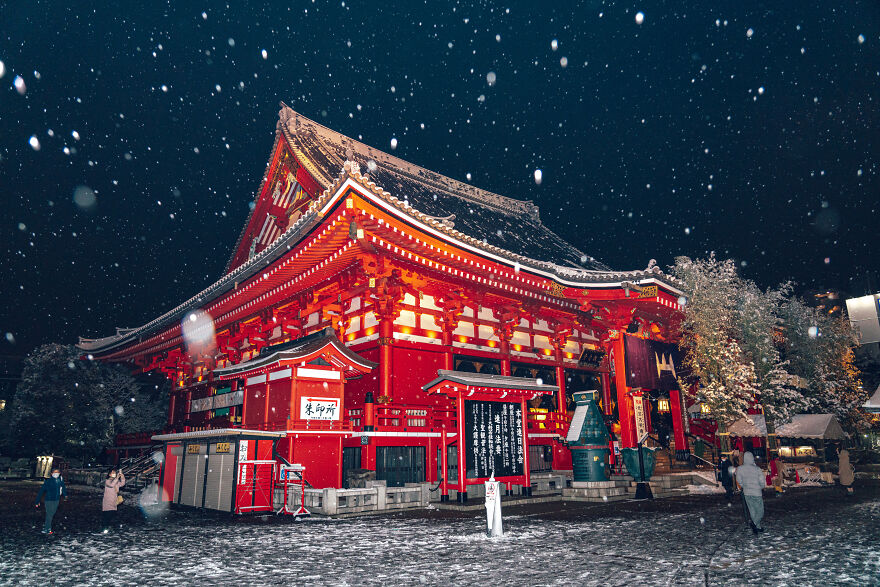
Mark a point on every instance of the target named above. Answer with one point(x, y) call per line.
point(623, 487)
point(616, 489)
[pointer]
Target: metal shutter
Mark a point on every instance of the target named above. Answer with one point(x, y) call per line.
point(227, 479)
point(219, 487)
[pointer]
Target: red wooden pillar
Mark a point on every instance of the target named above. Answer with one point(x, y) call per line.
point(527, 487)
point(462, 468)
point(561, 402)
point(243, 405)
point(624, 401)
point(171, 401)
point(339, 464)
point(266, 406)
point(444, 467)
point(368, 455)
point(504, 345)
point(292, 413)
point(605, 378)
point(677, 422)
point(386, 337)
point(446, 339)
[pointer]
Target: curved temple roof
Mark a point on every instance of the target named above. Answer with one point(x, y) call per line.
point(500, 226)
point(506, 223)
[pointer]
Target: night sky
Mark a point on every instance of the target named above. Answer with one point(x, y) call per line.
point(750, 129)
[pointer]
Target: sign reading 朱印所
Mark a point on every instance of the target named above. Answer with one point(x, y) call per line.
point(319, 408)
point(493, 439)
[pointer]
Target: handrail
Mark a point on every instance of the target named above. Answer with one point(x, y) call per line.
point(711, 464)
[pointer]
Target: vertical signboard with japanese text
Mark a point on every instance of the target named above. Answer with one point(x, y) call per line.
point(639, 413)
point(494, 439)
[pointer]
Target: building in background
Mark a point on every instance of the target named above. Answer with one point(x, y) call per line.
point(358, 280)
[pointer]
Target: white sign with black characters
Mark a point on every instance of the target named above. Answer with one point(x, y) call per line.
point(319, 408)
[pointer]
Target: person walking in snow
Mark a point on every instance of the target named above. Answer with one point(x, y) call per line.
point(775, 476)
point(752, 481)
point(52, 491)
point(115, 479)
point(845, 470)
point(727, 476)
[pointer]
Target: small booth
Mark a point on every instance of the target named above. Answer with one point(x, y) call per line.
point(230, 470)
point(810, 438)
point(750, 434)
point(297, 388)
point(492, 434)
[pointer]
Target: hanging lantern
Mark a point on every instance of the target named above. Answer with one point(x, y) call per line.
point(663, 405)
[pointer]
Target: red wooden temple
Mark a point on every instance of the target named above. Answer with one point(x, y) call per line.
point(360, 279)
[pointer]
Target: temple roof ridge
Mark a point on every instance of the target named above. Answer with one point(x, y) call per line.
point(351, 170)
point(288, 116)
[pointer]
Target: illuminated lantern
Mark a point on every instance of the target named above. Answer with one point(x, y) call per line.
point(663, 405)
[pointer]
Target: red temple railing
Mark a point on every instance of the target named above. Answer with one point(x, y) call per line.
point(542, 420)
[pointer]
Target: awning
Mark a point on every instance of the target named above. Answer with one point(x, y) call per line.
point(322, 345)
point(873, 404)
point(812, 426)
point(219, 432)
point(484, 386)
point(750, 426)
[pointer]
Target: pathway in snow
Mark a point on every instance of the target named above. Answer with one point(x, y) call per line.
point(814, 537)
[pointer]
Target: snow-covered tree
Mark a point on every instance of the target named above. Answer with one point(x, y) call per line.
point(67, 405)
point(751, 347)
point(758, 330)
point(730, 342)
point(726, 378)
point(820, 351)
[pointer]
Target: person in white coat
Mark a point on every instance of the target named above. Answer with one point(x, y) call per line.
point(752, 481)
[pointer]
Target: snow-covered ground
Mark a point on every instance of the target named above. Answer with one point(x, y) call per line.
point(696, 540)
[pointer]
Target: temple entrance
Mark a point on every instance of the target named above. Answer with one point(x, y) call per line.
point(399, 465)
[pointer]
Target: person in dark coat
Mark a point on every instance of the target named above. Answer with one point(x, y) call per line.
point(726, 476)
point(52, 491)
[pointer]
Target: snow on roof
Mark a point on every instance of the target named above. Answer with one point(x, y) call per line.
point(873, 404)
point(512, 225)
point(497, 224)
point(751, 425)
point(298, 349)
point(488, 380)
point(812, 426)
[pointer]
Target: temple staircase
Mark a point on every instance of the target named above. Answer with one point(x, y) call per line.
point(142, 470)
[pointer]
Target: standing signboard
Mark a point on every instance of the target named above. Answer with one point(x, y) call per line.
point(493, 508)
point(494, 439)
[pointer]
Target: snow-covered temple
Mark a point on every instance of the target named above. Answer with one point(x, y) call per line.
point(374, 315)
